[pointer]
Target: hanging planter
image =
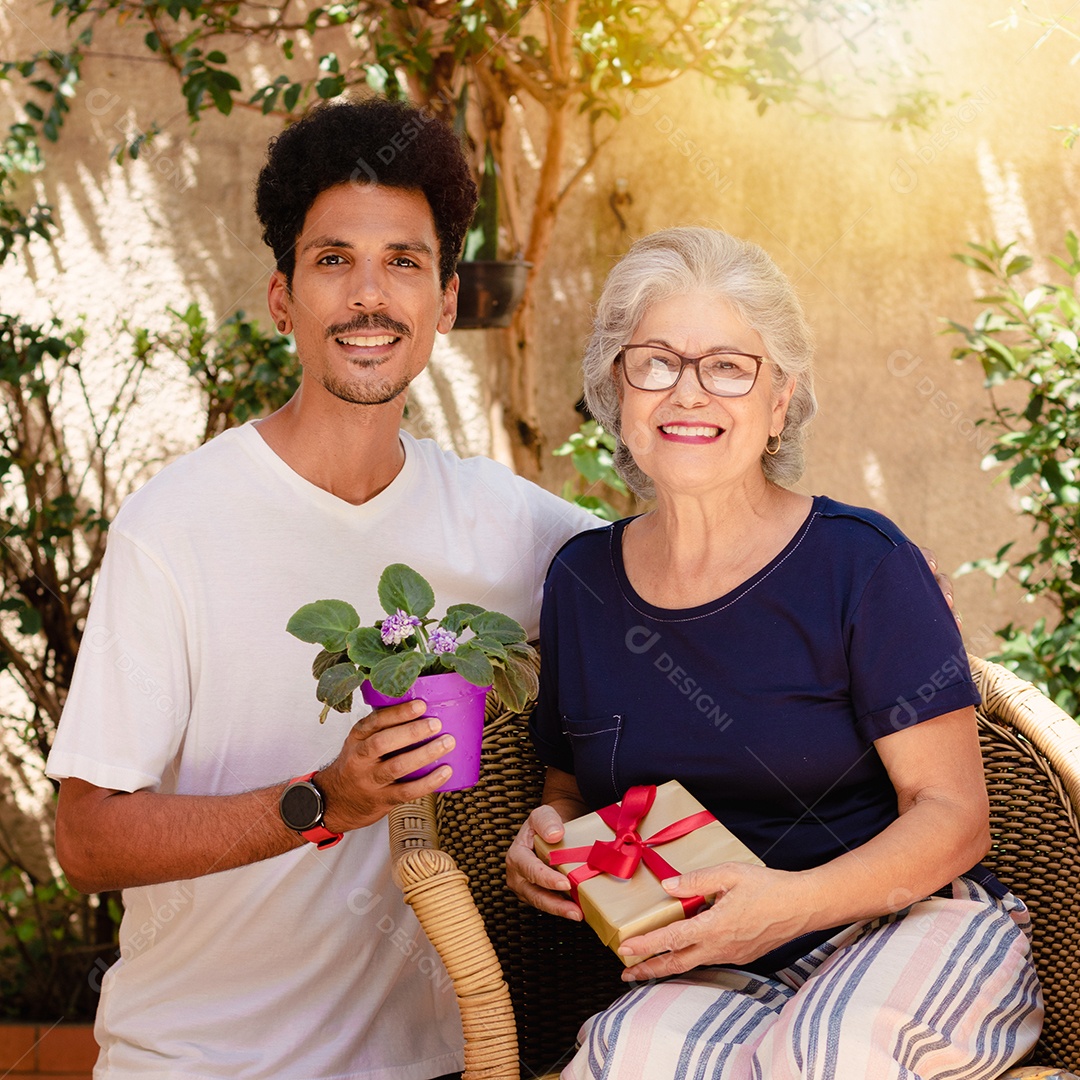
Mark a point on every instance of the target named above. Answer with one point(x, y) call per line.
point(490, 290)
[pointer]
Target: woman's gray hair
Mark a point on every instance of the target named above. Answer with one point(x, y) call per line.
point(676, 261)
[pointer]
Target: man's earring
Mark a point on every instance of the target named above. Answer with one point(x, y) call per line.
point(281, 326)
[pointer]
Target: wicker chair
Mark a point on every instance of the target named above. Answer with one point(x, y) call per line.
point(557, 973)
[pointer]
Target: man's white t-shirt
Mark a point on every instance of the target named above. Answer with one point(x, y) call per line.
point(306, 966)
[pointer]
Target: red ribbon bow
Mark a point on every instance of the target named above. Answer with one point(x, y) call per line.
point(622, 856)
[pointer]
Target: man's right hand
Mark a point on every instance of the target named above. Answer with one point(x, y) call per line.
point(529, 876)
point(363, 783)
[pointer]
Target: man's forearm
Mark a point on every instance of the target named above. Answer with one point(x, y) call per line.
point(109, 840)
point(117, 839)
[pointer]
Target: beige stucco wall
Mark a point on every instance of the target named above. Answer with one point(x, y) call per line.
point(862, 218)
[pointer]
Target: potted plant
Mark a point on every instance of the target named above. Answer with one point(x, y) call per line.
point(490, 288)
point(450, 663)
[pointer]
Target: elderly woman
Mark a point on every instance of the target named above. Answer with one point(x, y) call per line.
point(792, 662)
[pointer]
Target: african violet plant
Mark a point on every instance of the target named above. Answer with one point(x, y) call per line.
point(486, 648)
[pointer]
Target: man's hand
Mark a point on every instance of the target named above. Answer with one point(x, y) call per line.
point(364, 781)
point(944, 583)
point(529, 876)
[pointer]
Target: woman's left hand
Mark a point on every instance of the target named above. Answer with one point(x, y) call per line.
point(756, 910)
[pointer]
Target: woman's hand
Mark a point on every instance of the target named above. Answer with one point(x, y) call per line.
point(526, 873)
point(529, 876)
point(944, 583)
point(756, 910)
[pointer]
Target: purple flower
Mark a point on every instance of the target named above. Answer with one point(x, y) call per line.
point(397, 627)
point(442, 641)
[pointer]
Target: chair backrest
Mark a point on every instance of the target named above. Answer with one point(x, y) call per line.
point(559, 973)
point(1031, 757)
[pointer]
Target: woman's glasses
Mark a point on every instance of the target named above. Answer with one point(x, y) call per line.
point(725, 374)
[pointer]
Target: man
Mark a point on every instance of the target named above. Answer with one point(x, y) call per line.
point(255, 945)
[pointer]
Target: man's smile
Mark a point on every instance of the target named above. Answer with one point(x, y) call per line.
point(359, 340)
point(369, 331)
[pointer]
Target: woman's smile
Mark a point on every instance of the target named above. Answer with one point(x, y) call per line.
point(690, 433)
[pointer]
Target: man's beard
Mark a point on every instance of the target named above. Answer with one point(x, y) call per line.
point(371, 394)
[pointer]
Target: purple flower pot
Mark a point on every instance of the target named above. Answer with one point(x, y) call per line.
point(460, 706)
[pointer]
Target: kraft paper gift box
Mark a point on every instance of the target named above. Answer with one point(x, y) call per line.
point(618, 907)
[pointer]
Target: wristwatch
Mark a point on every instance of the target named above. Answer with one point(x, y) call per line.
point(302, 807)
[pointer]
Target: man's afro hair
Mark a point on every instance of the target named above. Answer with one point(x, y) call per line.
point(371, 141)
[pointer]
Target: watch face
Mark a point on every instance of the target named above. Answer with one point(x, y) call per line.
point(301, 806)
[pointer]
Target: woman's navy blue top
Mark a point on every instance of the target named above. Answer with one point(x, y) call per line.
point(764, 703)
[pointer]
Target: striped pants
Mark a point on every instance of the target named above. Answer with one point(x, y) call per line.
point(943, 989)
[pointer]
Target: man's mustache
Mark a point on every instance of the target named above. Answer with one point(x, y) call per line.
point(375, 321)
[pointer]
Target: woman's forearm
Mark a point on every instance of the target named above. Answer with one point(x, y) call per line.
point(932, 842)
point(561, 792)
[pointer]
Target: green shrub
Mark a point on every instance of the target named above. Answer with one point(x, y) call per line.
point(64, 469)
point(1027, 342)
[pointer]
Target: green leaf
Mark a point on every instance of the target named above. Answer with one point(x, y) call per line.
point(471, 664)
point(1072, 245)
point(394, 675)
point(325, 622)
point(975, 264)
point(324, 661)
point(330, 87)
point(291, 96)
point(1034, 408)
point(489, 646)
point(269, 97)
point(598, 507)
point(366, 647)
point(516, 682)
point(30, 621)
point(1018, 265)
point(458, 616)
point(1064, 490)
point(221, 85)
point(336, 685)
point(511, 695)
point(402, 588)
point(1024, 469)
point(493, 624)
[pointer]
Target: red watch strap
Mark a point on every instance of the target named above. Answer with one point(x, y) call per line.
point(319, 835)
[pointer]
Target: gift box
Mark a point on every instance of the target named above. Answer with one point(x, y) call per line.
point(617, 857)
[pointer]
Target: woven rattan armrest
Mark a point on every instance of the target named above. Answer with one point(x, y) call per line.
point(438, 892)
point(1031, 759)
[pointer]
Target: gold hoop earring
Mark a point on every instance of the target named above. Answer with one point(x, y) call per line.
point(779, 440)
